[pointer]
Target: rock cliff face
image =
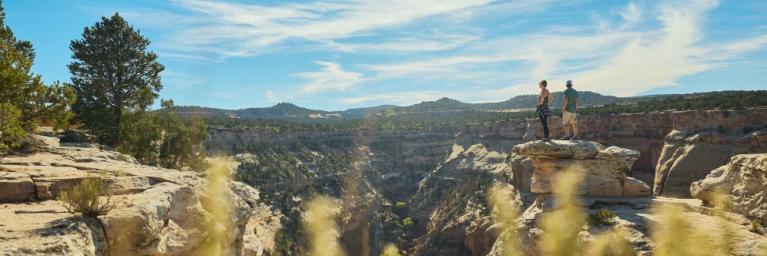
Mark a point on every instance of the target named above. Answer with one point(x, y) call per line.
point(448, 203)
point(689, 157)
point(402, 158)
point(743, 183)
point(156, 212)
point(605, 168)
point(451, 208)
point(646, 132)
point(454, 216)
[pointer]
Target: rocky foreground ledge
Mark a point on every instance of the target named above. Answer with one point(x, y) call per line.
point(157, 211)
point(605, 168)
point(740, 186)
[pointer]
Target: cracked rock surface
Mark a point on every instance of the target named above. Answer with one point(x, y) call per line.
point(157, 211)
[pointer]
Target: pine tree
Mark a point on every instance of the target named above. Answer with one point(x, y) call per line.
point(114, 73)
point(24, 99)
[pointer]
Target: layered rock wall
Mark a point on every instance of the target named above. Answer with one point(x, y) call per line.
point(687, 157)
point(156, 211)
point(739, 186)
point(646, 132)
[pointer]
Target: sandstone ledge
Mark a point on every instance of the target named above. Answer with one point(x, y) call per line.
point(742, 184)
point(605, 168)
point(157, 211)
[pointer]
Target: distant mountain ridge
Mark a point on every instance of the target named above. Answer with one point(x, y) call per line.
point(517, 103)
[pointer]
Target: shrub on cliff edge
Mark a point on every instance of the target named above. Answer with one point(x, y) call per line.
point(84, 198)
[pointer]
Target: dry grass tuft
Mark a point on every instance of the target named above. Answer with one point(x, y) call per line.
point(85, 198)
point(319, 221)
point(217, 201)
point(505, 214)
point(561, 226)
point(675, 235)
point(390, 250)
point(613, 243)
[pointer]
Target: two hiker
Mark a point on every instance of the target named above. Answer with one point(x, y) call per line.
point(569, 105)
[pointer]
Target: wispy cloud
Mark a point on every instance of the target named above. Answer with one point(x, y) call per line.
point(631, 13)
point(407, 44)
point(421, 49)
point(401, 98)
point(621, 62)
point(332, 77)
point(228, 29)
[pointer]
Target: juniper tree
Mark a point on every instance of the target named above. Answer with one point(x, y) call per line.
point(24, 99)
point(114, 73)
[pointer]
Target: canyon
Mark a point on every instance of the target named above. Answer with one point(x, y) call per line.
point(417, 167)
point(437, 178)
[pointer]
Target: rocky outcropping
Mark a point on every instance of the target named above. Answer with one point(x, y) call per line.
point(743, 184)
point(450, 208)
point(453, 215)
point(689, 157)
point(605, 168)
point(156, 211)
point(645, 132)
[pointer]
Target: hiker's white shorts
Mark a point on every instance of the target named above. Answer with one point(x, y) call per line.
point(569, 118)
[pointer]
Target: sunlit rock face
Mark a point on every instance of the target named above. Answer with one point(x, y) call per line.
point(605, 168)
point(687, 157)
point(646, 132)
point(739, 186)
point(156, 211)
point(450, 207)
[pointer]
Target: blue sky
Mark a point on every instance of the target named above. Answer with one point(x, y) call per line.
point(338, 54)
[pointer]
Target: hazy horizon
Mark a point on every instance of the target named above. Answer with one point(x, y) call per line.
point(335, 55)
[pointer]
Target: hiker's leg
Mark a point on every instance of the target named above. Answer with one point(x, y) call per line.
point(565, 124)
point(545, 123)
point(575, 129)
point(575, 125)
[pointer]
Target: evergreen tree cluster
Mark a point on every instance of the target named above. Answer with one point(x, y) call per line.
point(115, 80)
point(25, 101)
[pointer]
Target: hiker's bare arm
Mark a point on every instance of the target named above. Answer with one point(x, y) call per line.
point(577, 103)
point(564, 103)
point(548, 96)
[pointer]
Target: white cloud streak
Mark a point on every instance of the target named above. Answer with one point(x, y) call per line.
point(229, 29)
point(332, 77)
point(400, 98)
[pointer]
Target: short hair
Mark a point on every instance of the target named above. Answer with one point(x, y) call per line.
point(543, 82)
point(569, 84)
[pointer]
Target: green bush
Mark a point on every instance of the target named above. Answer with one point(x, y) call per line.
point(25, 101)
point(756, 226)
point(84, 198)
point(163, 139)
point(408, 223)
point(603, 217)
point(11, 132)
point(400, 205)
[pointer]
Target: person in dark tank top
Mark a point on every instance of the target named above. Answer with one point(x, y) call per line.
point(543, 109)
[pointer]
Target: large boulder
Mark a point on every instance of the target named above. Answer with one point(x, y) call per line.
point(605, 168)
point(686, 158)
point(742, 183)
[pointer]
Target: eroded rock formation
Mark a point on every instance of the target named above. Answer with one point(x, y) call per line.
point(157, 211)
point(741, 184)
point(689, 157)
point(451, 208)
point(605, 168)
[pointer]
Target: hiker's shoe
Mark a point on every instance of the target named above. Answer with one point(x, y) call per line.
point(546, 140)
point(574, 138)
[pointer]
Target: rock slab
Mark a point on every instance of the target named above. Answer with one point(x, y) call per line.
point(605, 168)
point(743, 184)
